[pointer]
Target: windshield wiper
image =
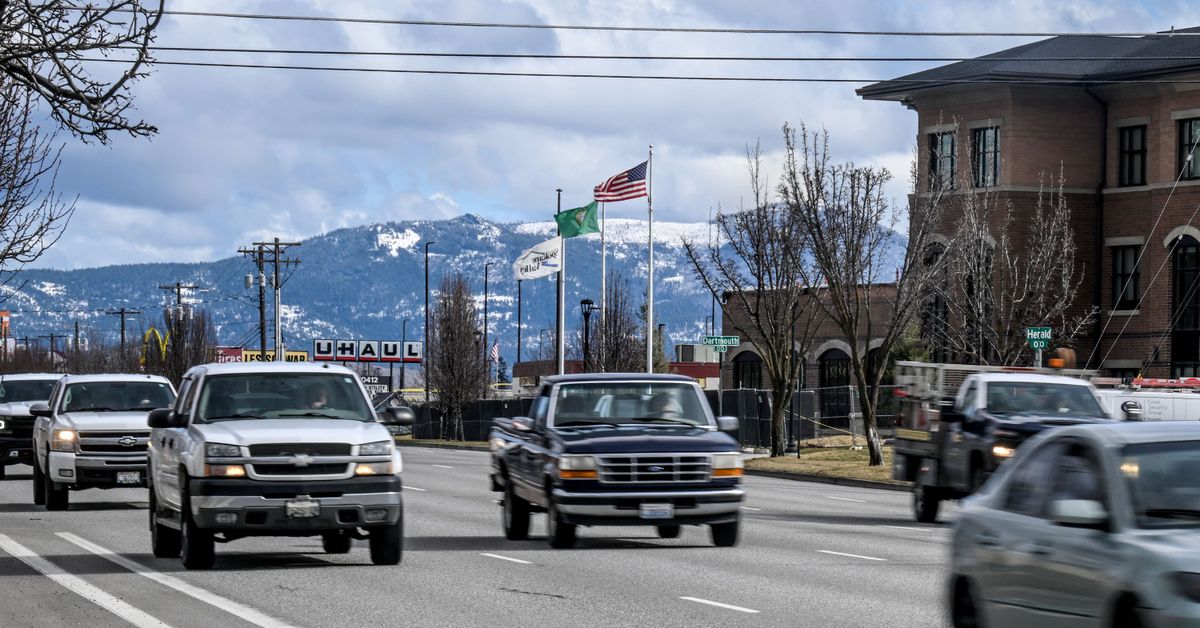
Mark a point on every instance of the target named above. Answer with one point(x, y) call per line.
point(676, 421)
point(1173, 513)
point(234, 417)
point(580, 422)
point(324, 415)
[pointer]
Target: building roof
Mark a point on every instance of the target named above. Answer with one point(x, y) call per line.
point(1075, 60)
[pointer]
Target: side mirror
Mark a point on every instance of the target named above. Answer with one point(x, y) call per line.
point(1132, 410)
point(165, 418)
point(40, 409)
point(1079, 513)
point(522, 424)
point(727, 424)
point(399, 415)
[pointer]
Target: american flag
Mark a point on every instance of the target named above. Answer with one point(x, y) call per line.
point(624, 186)
point(495, 352)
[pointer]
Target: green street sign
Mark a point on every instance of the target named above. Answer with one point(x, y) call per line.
point(1038, 338)
point(722, 341)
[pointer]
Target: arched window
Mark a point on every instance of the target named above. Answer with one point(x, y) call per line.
point(747, 370)
point(1185, 297)
point(833, 373)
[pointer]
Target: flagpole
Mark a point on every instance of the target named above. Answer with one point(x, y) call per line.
point(603, 279)
point(560, 315)
point(650, 264)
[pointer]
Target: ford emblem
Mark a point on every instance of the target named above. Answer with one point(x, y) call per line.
point(655, 469)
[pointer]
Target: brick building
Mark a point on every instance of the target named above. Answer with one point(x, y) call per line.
point(1122, 119)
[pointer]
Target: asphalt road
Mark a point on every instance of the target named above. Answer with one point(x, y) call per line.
point(810, 555)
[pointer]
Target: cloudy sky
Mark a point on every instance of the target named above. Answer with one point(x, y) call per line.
point(244, 154)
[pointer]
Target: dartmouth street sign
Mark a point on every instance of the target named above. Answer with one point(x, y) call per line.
point(1038, 337)
point(721, 344)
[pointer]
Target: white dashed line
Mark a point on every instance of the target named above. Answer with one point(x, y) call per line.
point(511, 560)
point(413, 488)
point(97, 596)
point(236, 609)
point(443, 466)
point(851, 555)
point(906, 528)
point(731, 607)
point(749, 508)
point(846, 499)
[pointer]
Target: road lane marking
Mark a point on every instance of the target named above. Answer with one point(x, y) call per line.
point(512, 560)
point(443, 466)
point(846, 499)
point(749, 508)
point(719, 604)
point(851, 555)
point(884, 525)
point(97, 596)
point(233, 608)
point(413, 488)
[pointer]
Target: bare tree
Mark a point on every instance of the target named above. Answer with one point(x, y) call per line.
point(56, 49)
point(760, 258)
point(457, 370)
point(617, 344)
point(850, 228)
point(186, 338)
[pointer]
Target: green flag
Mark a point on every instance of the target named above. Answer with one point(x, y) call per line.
point(578, 221)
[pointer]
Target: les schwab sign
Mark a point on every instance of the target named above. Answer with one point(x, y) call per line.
point(366, 351)
point(253, 355)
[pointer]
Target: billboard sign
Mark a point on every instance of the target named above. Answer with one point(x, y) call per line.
point(331, 350)
point(254, 355)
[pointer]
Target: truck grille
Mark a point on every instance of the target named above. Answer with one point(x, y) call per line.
point(654, 468)
point(312, 469)
point(295, 449)
point(113, 442)
point(20, 427)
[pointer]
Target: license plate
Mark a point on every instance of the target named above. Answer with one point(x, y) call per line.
point(302, 508)
point(129, 477)
point(657, 511)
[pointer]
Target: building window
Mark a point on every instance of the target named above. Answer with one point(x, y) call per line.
point(1185, 334)
point(1189, 136)
point(985, 156)
point(1133, 156)
point(1125, 277)
point(941, 161)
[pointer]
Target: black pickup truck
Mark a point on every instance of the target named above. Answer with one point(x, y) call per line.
point(17, 393)
point(618, 449)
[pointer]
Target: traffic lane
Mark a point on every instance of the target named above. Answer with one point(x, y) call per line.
point(34, 601)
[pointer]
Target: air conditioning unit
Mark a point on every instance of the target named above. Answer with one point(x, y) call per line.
point(695, 353)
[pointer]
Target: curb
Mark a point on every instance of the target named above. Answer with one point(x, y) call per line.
point(825, 479)
point(401, 443)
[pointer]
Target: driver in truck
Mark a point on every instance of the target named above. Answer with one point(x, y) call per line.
point(316, 397)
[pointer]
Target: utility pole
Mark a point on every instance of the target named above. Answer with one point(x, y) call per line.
point(76, 337)
point(275, 249)
point(487, 349)
point(53, 348)
point(256, 254)
point(426, 347)
point(178, 287)
point(123, 312)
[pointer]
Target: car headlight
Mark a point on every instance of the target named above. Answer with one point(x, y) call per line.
point(373, 468)
point(577, 468)
point(224, 471)
point(221, 450)
point(63, 440)
point(727, 465)
point(380, 448)
point(3, 425)
point(1003, 452)
point(1187, 584)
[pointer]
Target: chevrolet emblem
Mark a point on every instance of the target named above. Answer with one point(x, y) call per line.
point(302, 460)
point(127, 441)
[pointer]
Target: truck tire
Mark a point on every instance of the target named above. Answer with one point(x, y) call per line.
point(196, 545)
point(387, 543)
point(165, 541)
point(39, 489)
point(669, 532)
point(336, 542)
point(724, 534)
point(58, 497)
point(560, 534)
point(515, 515)
point(926, 502)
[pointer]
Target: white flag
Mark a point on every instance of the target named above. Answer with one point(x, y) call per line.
point(540, 261)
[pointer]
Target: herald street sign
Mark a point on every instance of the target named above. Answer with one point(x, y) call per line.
point(721, 344)
point(1038, 337)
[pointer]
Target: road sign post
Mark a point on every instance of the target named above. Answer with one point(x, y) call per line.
point(1038, 339)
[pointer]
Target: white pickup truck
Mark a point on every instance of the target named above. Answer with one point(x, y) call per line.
point(273, 449)
point(93, 434)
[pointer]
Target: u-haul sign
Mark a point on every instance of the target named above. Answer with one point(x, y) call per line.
point(331, 350)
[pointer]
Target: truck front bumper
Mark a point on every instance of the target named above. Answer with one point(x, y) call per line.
point(261, 507)
point(88, 471)
point(623, 508)
point(16, 450)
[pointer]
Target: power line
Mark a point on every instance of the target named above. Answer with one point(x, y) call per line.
point(668, 77)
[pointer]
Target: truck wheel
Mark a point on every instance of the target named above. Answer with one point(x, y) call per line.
point(926, 502)
point(336, 542)
point(669, 532)
point(561, 534)
point(387, 543)
point(197, 545)
point(165, 542)
point(516, 516)
point(724, 534)
point(39, 488)
point(58, 497)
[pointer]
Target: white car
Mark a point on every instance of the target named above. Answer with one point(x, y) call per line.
point(17, 392)
point(1092, 525)
point(273, 449)
point(93, 434)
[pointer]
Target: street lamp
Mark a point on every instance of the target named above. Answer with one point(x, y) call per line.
point(587, 306)
point(486, 267)
point(426, 351)
point(403, 341)
point(478, 335)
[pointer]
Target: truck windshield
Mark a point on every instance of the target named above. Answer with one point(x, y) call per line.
point(1043, 399)
point(282, 396)
point(116, 396)
point(617, 403)
point(26, 390)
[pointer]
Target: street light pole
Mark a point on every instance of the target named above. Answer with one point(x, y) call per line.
point(520, 321)
point(486, 347)
point(586, 306)
point(426, 350)
point(403, 364)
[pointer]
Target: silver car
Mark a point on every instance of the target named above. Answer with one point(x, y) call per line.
point(1095, 525)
